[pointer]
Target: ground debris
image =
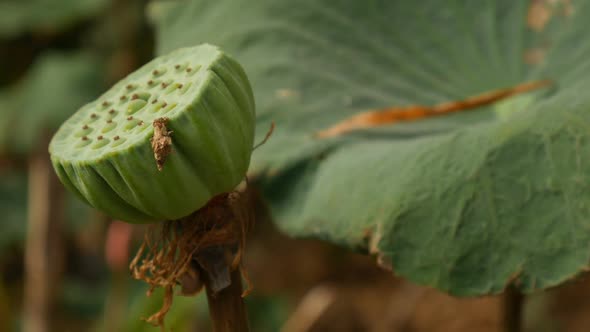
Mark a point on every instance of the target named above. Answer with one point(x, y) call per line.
point(172, 252)
point(161, 142)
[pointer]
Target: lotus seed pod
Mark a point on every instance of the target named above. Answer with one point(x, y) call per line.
point(198, 100)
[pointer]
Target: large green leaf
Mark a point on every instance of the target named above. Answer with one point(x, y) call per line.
point(466, 203)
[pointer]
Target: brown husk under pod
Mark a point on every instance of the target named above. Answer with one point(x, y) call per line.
point(206, 245)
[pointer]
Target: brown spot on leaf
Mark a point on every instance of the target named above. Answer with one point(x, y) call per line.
point(542, 11)
point(161, 142)
point(375, 118)
point(535, 56)
point(538, 15)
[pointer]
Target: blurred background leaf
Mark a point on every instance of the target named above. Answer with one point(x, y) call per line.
point(55, 87)
point(18, 17)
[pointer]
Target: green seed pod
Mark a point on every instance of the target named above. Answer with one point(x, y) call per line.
point(196, 125)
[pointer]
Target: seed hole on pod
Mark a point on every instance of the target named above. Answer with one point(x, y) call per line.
point(135, 105)
point(180, 66)
point(109, 126)
point(117, 141)
point(141, 95)
point(152, 83)
point(130, 87)
point(100, 142)
point(165, 84)
point(123, 98)
point(158, 106)
point(193, 71)
point(132, 124)
point(84, 141)
point(172, 88)
point(84, 131)
point(105, 104)
point(159, 72)
point(185, 88)
point(91, 118)
point(168, 108)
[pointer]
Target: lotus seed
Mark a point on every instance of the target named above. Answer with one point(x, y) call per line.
point(109, 126)
point(84, 142)
point(171, 88)
point(135, 106)
point(100, 143)
point(112, 111)
point(117, 141)
point(154, 101)
point(142, 95)
point(159, 72)
point(185, 88)
point(132, 124)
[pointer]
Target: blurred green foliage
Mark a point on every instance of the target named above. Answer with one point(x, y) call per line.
point(49, 16)
point(54, 88)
